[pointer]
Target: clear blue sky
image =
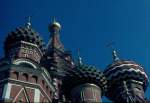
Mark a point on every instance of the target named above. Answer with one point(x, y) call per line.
point(89, 25)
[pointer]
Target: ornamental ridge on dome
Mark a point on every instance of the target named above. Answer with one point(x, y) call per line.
point(128, 69)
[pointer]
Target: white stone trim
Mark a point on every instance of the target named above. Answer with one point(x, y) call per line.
point(7, 91)
point(25, 93)
point(33, 84)
point(18, 61)
point(33, 45)
point(124, 70)
point(37, 96)
point(29, 43)
point(47, 81)
point(124, 65)
point(28, 87)
point(17, 95)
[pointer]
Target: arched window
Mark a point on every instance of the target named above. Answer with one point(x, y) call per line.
point(51, 93)
point(34, 79)
point(46, 88)
point(15, 75)
point(43, 83)
point(25, 76)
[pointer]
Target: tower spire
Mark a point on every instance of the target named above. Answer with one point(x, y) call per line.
point(79, 58)
point(28, 24)
point(55, 42)
point(54, 20)
point(114, 53)
point(115, 56)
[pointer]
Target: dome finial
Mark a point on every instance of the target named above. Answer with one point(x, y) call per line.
point(115, 56)
point(114, 53)
point(53, 20)
point(79, 58)
point(29, 22)
point(55, 26)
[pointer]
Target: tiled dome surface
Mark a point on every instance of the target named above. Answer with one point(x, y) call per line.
point(23, 34)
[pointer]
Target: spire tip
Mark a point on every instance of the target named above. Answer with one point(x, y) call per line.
point(114, 53)
point(54, 26)
point(115, 56)
point(79, 58)
point(29, 22)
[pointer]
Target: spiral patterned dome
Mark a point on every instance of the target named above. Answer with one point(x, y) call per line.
point(126, 70)
point(85, 74)
point(23, 34)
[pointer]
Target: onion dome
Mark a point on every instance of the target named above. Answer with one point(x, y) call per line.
point(54, 27)
point(23, 37)
point(23, 34)
point(124, 70)
point(84, 74)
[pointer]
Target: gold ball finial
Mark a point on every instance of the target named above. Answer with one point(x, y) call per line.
point(54, 26)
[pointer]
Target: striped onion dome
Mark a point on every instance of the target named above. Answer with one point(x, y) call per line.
point(84, 74)
point(122, 70)
point(23, 34)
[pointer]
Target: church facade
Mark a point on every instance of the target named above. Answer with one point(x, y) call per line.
point(31, 72)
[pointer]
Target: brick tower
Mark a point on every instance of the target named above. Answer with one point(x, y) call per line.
point(56, 60)
point(22, 79)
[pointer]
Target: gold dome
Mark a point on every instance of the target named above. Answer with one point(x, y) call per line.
point(54, 26)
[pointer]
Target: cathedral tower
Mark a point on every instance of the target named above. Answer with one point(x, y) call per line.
point(22, 79)
point(56, 59)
